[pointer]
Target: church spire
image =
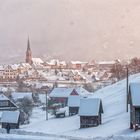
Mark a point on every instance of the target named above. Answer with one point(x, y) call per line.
point(28, 53)
point(28, 45)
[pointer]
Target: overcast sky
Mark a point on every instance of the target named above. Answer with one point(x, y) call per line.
point(70, 29)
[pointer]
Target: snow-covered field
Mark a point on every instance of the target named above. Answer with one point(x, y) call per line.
point(115, 120)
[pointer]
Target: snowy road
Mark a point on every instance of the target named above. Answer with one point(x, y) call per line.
point(23, 135)
point(32, 137)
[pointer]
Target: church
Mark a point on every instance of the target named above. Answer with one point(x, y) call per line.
point(29, 59)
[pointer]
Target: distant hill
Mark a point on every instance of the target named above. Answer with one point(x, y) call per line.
point(70, 29)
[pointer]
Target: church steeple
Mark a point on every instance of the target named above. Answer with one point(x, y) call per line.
point(28, 45)
point(28, 53)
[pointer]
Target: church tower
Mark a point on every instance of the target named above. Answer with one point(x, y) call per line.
point(28, 53)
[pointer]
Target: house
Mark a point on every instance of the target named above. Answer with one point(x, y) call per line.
point(106, 65)
point(91, 64)
point(33, 74)
point(52, 64)
point(37, 61)
point(61, 94)
point(1, 71)
point(6, 104)
point(12, 118)
point(77, 64)
point(62, 64)
point(90, 112)
point(101, 75)
point(76, 75)
point(73, 104)
point(24, 67)
point(9, 72)
point(134, 101)
point(55, 63)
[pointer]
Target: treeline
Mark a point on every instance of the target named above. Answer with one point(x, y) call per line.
point(119, 70)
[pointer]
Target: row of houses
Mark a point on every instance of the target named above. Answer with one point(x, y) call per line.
point(61, 94)
point(11, 72)
point(55, 63)
point(18, 71)
point(79, 102)
point(90, 109)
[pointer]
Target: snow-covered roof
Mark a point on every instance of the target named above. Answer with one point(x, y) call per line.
point(37, 61)
point(89, 107)
point(135, 93)
point(53, 62)
point(31, 72)
point(82, 92)
point(21, 95)
point(62, 63)
point(10, 117)
point(74, 101)
point(5, 89)
point(14, 66)
point(66, 91)
point(78, 62)
point(1, 67)
point(3, 97)
point(11, 66)
point(61, 92)
point(27, 65)
point(106, 62)
point(56, 62)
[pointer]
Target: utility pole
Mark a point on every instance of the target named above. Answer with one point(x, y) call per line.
point(46, 106)
point(127, 87)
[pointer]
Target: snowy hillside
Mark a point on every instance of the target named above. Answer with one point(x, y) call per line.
point(115, 118)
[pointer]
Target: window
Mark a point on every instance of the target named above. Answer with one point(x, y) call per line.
point(3, 103)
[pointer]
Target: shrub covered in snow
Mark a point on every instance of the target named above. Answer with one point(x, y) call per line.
point(26, 105)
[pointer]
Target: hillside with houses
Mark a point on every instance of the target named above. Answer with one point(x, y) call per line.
point(69, 100)
point(110, 101)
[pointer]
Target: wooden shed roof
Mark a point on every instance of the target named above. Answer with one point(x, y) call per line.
point(90, 107)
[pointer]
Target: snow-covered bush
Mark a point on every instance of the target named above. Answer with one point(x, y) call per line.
point(24, 119)
point(36, 98)
point(89, 87)
point(26, 105)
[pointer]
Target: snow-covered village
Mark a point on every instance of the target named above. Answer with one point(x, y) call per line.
point(69, 70)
